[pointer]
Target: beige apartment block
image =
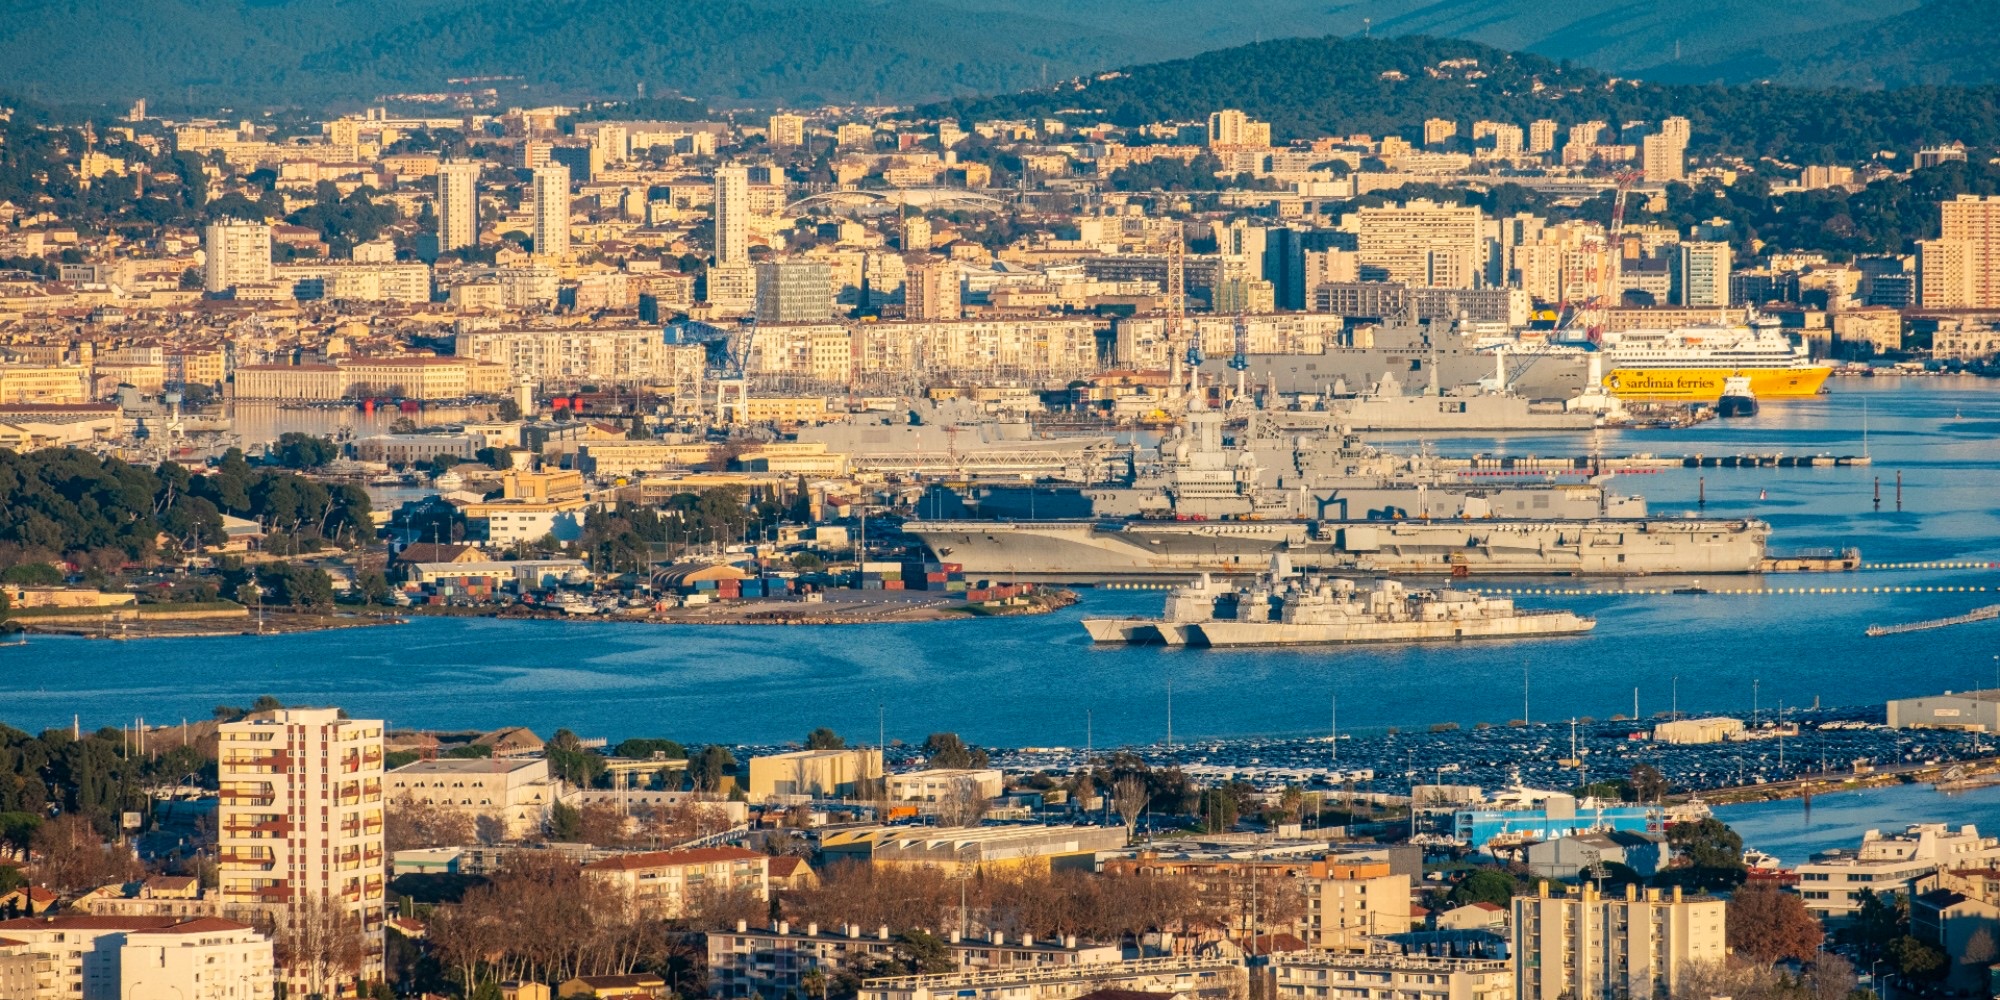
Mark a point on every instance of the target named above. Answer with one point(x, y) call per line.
point(1586, 946)
point(1319, 975)
point(1353, 902)
point(300, 824)
point(659, 884)
point(1423, 243)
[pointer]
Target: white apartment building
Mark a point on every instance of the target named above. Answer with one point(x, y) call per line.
point(506, 799)
point(458, 206)
point(1701, 274)
point(732, 217)
point(301, 819)
point(1322, 975)
point(235, 252)
point(623, 355)
point(1834, 882)
point(133, 958)
point(549, 194)
point(786, 130)
point(355, 281)
point(1423, 243)
point(206, 959)
point(1586, 946)
point(658, 884)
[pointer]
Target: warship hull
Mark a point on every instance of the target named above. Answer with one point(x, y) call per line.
point(1536, 625)
point(1091, 552)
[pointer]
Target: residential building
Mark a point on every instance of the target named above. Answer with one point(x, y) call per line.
point(1231, 127)
point(1318, 975)
point(204, 959)
point(916, 235)
point(1179, 978)
point(992, 847)
point(235, 252)
point(786, 131)
point(458, 206)
point(549, 207)
point(1663, 158)
point(794, 291)
point(769, 962)
point(300, 824)
point(574, 355)
point(1947, 274)
point(1835, 882)
point(944, 784)
point(133, 958)
point(814, 774)
point(408, 282)
point(1439, 130)
point(661, 884)
point(505, 798)
point(1974, 221)
point(1423, 243)
point(1582, 945)
point(1351, 902)
point(931, 289)
point(732, 216)
point(1701, 275)
point(1542, 136)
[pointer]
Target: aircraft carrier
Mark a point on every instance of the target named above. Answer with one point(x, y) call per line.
point(1330, 505)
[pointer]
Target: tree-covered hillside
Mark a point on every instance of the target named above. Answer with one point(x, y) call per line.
point(1335, 86)
point(1943, 42)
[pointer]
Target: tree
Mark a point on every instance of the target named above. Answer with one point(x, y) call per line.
point(1917, 960)
point(824, 739)
point(565, 822)
point(1648, 784)
point(1485, 885)
point(1768, 924)
point(946, 750)
point(296, 450)
point(710, 768)
point(319, 939)
point(570, 761)
point(1712, 855)
point(962, 805)
point(1129, 795)
point(510, 411)
point(409, 824)
point(71, 858)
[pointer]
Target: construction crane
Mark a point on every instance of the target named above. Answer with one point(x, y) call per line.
point(1179, 348)
point(1241, 362)
point(1600, 264)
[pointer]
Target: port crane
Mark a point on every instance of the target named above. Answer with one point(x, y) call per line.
point(732, 388)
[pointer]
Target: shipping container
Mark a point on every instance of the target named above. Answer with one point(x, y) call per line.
point(892, 585)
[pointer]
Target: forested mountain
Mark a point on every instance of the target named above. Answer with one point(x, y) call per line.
point(310, 52)
point(1334, 86)
point(1942, 42)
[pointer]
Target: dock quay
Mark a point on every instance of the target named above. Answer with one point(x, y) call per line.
point(1986, 613)
point(1584, 464)
point(1844, 561)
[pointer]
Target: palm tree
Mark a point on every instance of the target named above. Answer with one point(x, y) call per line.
point(814, 981)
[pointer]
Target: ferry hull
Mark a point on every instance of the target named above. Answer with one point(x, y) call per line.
point(1090, 552)
point(1706, 384)
point(1224, 634)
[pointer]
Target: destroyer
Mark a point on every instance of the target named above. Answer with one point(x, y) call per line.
point(1284, 609)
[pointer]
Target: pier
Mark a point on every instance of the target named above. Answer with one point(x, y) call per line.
point(1986, 613)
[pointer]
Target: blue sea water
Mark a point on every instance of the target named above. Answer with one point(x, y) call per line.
point(1031, 681)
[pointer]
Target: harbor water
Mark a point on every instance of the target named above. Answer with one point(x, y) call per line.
point(1033, 680)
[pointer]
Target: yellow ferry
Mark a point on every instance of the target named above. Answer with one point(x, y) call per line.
point(1692, 363)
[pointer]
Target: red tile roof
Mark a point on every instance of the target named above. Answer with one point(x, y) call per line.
point(86, 923)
